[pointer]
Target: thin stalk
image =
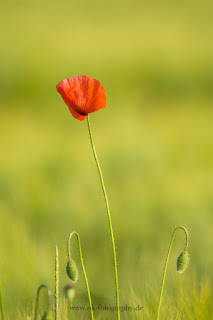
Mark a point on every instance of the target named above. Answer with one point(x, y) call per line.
point(83, 268)
point(166, 263)
point(69, 310)
point(37, 299)
point(108, 215)
point(56, 284)
point(1, 303)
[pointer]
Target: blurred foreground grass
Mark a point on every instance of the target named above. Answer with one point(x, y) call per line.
point(154, 141)
point(158, 170)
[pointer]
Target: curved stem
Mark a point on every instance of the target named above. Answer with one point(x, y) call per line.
point(83, 268)
point(37, 299)
point(56, 284)
point(167, 260)
point(108, 215)
point(1, 304)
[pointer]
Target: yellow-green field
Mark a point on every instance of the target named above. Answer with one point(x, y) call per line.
point(154, 141)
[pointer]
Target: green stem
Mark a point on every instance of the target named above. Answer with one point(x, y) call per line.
point(83, 268)
point(37, 299)
point(56, 284)
point(166, 263)
point(108, 215)
point(1, 304)
point(70, 311)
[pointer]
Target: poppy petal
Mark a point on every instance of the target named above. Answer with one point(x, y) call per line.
point(83, 95)
point(76, 114)
point(62, 89)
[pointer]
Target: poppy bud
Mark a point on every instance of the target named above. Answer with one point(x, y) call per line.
point(182, 261)
point(72, 270)
point(69, 293)
point(47, 316)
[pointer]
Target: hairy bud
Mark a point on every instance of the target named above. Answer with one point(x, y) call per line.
point(72, 270)
point(182, 261)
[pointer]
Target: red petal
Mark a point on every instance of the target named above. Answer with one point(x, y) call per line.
point(76, 115)
point(83, 95)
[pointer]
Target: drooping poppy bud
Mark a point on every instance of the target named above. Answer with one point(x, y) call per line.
point(72, 270)
point(83, 95)
point(182, 261)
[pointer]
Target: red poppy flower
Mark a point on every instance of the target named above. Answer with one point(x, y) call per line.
point(83, 95)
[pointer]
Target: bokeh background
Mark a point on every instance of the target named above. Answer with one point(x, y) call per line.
point(154, 141)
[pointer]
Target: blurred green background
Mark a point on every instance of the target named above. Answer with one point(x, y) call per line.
point(154, 141)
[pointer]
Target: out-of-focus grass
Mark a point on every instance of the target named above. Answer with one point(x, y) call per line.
point(194, 303)
point(154, 141)
point(158, 172)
